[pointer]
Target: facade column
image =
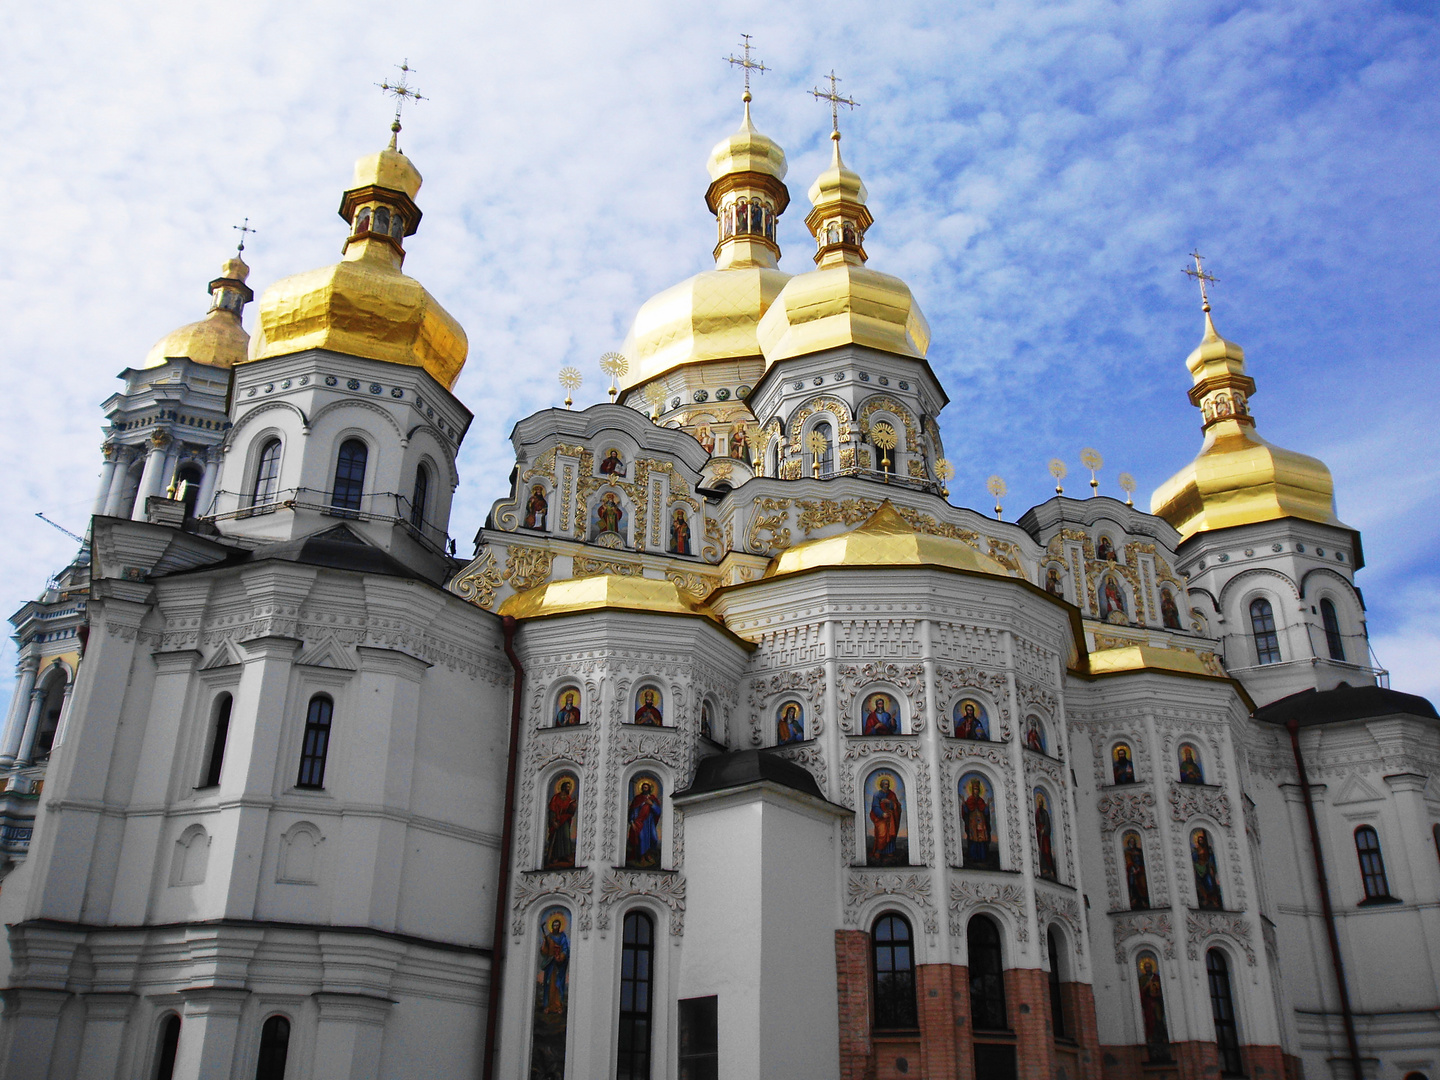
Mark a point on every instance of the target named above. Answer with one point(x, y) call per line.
point(349, 1037)
point(32, 727)
point(152, 480)
point(64, 716)
point(208, 481)
point(107, 477)
point(116, 495)
point(209, 1033)
point(19, 704)
point(106, 1017)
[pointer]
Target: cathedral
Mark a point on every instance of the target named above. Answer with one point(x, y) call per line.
point(734, 750)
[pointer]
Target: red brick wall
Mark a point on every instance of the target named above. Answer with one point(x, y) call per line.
point(852, 971)
point(939, 1049)
point(1196, 1061)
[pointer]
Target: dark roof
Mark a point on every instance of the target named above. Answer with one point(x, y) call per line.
point(339, 548)
point(1311, 707)
point(722, 772)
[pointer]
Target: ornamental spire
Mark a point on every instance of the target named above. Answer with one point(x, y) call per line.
point(401, 91)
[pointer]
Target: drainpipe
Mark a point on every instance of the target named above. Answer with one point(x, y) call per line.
point(507, 829)
point(1293, 726)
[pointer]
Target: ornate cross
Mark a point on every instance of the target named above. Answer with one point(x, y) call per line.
point(243, 229)
point(1200, 275)
point(402, 91)
point(746, 64)
point(835, 100)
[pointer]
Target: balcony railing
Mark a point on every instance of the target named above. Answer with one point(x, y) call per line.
point(384, 506)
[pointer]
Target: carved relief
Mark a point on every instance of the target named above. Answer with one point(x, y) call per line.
point(1052, 907)
point(586, 566)
point(1131, 924)
point(575, 885)
point(965, 896)
point(864, 886)
point(1193, 800)
point(808, 682)
point(854, 678)
point(667, 887)
point(479, 584)
point(768, 516)
point(1200, 926)
point(526, 567)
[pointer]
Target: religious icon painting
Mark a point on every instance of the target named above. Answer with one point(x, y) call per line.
point(1035, 734)
point(1169, 610)
point(552, 996)
point(789, 723)
point(612, 464)
point(971, 720)
point(561, 810)
point(1190, 769)
point(881, 715)
point(977, 822)
point(649, 707)
point(1207, 876)
point(608, 518)
point(1136, 881)
point(707, 721)
point(1122, 764)
point(679, 532)
point(887, 837)
point(642, 828)
point(1045, 834)
point(1152, 1006)
point(1054, 583)
point(1110, 595)
point(537, 507)
point(1105, 550)
point(567, 707)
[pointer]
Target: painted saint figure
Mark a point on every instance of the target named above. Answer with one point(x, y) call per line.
point(1207, 877)
point(1053, 585)
point(1043, 837)
point(612, 464)
point(1136, 881)
point(707, 721)
point(536, 508)
point(1121, 766)
point(740, 442)
point(610, 515)
point(568, 712)
point(647, 708)
point(976, 815)
point(1169, 612)
point(1190, 772)
point(880, 717)
point(970, 722)
point(680, 533)
point(887, 843)
point(1152, 1006)
point(1111, 600)
point(1034, 734)
point(552, 996)
point(706, 438)
point(1105, 551)
point(560, 823)
point(642, 837)
point(790, 726)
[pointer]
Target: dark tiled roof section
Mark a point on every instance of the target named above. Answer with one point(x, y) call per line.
point(722, 772)
point(1311, 707)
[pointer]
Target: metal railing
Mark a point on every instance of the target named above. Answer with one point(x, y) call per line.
point(383, 506)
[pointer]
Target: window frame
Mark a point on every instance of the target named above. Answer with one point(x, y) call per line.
point(1222, 999)
point(634, 1062)
point(219, 734)
point(1330, 619)
point(899, 1006)
point(1264, 632)
point(420, 496)
point(265, 484)
point(994, 1003)
point(1373, 879)
point(164, 1069)
point(315, 755)
point(352, 501)
point(1059, 1029)
point(267, 1070)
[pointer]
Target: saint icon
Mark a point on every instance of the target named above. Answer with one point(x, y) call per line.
point(680, 533)
point(790, 727)
point(536, 508)
point(642, 837)
point(568, 712)
point(1190, 772)
point(880, 717)
point(647, 708)
point(977, 818)
point(1122, 768)
point(970, 721)
point(887, 840)
point(1136, 882)
point(612, 464)
point(1044, 840)
point(560, 823)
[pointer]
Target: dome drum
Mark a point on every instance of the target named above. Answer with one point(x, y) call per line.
point(356, 200)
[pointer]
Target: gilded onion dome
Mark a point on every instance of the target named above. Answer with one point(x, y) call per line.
point(886, 539)
point(218, 339)
point(1237, 478)
point(842, 301)
point(714, 314)
point(363, 305)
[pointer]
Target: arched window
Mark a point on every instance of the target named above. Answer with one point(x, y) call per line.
point(362, 223)
point(382, 219)
point(219, 732)
point(419, 505)
point(166, 1048)
point(267, 474)
point(987, 975)
point(1372, 863)
point(1333, 641)
point(187, 486)
point(317, 742)
point(636, 976)
point(1262, 625)
point(397, 226)
point(1222, 1008)
point(1057, 997)
point(892, 955)
point(349, 476)
point(823, 463)
point(274, 1049)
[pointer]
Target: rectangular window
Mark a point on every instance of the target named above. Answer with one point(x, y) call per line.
point(699, 1039)
point(316, 746)
point(633, 1060)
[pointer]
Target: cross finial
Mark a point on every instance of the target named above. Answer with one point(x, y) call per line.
point(1203, 277)
point(402, 91)
point(835, 100)
point(746, 64)
point(242, 229)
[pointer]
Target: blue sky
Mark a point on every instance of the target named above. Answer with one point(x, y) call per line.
point(1038, 172)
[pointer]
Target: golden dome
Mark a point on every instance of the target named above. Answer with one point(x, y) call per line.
point(886, 539)
point(843, 301)
point(604, 592)
point(714, 315)
point(219, 339)
point(363, 305)
point(1238, 478)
